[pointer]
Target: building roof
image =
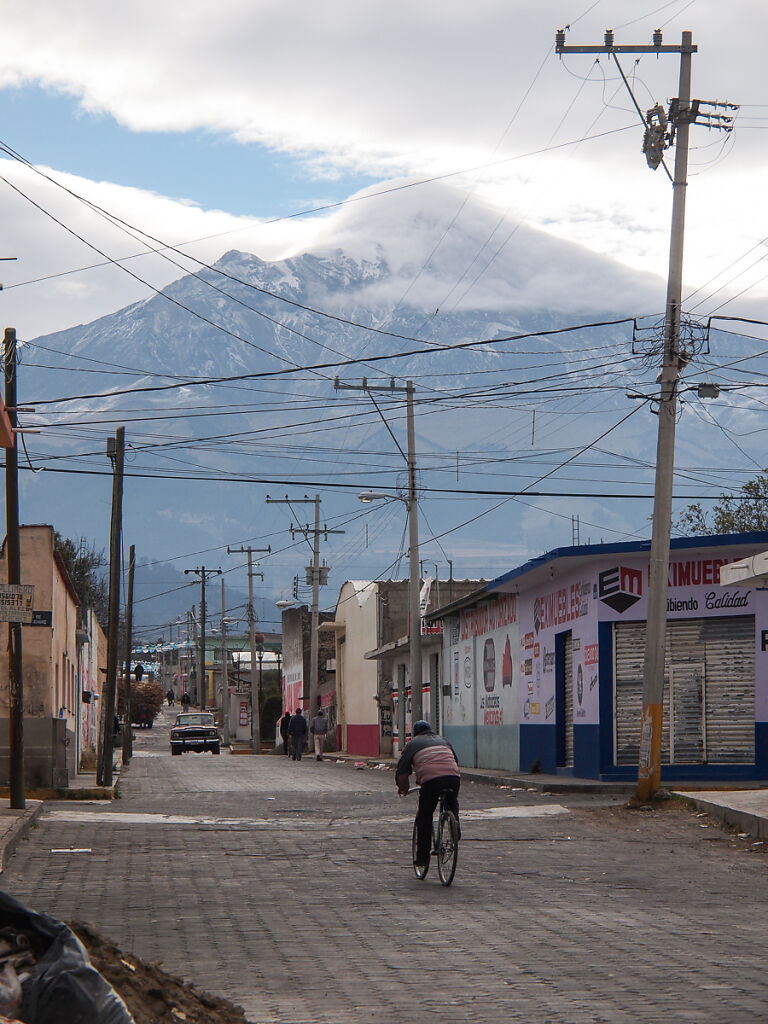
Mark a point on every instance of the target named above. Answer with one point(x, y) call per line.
point(558, 561)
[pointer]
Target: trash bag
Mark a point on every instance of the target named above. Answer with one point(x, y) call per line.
point(62, 985)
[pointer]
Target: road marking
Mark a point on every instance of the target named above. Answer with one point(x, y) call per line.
point(150, 818)
point(526, 811)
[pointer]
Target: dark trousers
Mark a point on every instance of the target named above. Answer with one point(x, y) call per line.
point(286, 746)
point(298, 747)
point(429, 795)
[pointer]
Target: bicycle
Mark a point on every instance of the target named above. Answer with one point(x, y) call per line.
point(445, 842)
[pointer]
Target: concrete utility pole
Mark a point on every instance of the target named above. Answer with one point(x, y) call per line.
point(662, 130)
point(255, 709)
point(116, 453)
point(318, 576)
point(202, 682)
point(651, 725)
point(128, 726)
point(13, 550)
point(412, 504)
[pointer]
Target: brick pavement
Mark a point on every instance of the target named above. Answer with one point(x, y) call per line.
point(287, 887)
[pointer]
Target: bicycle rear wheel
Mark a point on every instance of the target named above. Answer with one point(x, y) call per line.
point(447, 847)
point(420, 872)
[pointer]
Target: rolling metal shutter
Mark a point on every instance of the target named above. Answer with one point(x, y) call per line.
point(628, 654)
point(711, 703)
point(568, 716)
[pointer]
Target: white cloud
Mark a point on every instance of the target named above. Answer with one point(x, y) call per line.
point(397, 88)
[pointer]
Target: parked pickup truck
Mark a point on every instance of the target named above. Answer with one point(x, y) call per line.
point(195, 730)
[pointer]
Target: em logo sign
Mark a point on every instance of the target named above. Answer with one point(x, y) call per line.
point(620, 588)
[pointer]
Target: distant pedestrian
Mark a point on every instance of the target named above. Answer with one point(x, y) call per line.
point(284, 723)
point(185, 700)
point(297, 730)
point(319, 727)
point(171, 697)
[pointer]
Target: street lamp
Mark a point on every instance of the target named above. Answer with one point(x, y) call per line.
point(414, 584)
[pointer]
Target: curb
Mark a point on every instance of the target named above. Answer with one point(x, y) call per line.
point(18, 831)
point(745, 821)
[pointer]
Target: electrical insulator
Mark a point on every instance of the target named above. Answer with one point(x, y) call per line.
point(608, 40)
point(657, 37)
point(559, 39)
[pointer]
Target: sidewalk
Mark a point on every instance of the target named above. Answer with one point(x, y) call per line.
point(742, 805)
point(14, 826)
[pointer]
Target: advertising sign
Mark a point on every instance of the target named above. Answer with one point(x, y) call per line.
point(17, 602)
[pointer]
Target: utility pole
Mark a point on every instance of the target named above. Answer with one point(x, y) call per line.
point(116, 453)
point(13, 549)
point(202, 681)
point(128, 724)
point(414, 577)
point(318, 576)
point(662, 130)
point(225, 669)
point(255, 710)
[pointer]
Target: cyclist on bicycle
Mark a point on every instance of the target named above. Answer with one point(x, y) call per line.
point(436, 766)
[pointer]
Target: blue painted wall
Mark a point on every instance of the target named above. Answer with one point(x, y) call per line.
point(538, 743)
point(586, 751)
point(462, 739)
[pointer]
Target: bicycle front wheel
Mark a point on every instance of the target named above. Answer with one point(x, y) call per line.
point(447, 847)
point(420, 872)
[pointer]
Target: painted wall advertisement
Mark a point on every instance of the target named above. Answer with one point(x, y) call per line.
point(483, 665)
point(567, 607)
point(293, 686)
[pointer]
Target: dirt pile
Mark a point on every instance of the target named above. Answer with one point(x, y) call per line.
point(152, 995)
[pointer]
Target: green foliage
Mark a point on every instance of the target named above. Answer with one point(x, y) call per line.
point(744, 512)
point(83, 563)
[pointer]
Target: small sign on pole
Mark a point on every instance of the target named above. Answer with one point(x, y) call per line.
point(17, 602)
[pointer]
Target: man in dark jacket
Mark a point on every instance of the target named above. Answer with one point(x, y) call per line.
point(297, 730)
point(284, 722)
point(434, 761)
point(319, 727)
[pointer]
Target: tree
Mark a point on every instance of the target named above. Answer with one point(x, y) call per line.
point(744, 512)
point(83, 563)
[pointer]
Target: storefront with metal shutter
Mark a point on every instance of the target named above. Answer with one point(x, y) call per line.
point(579, 625)
point(709, 691)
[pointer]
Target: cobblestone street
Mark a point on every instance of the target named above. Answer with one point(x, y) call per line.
point(287, 887)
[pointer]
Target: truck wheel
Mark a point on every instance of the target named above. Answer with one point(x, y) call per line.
point(175, 751)
point(216, 749)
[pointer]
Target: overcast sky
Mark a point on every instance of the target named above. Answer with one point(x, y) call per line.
point(195, 120)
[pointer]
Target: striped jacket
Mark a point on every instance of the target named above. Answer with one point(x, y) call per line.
point(429, 756)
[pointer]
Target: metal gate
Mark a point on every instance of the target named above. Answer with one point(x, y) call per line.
point(568, 699)
point(709, 708)
point(687, 721)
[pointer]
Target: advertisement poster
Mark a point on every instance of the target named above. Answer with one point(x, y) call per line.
point(482, 711)
point(565, 608)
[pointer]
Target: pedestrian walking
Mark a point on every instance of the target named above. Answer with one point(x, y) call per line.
point(284, 723)
point(319, 727)
point(170, 697)
point(297, 730)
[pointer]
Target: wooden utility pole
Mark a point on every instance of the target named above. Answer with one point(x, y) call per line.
point(255, 709)
point(202, 682)
point(415, 669)
point(116, 452)
point(317, 575)
point(224, 670)
point(128, 724)
point(13, 552)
